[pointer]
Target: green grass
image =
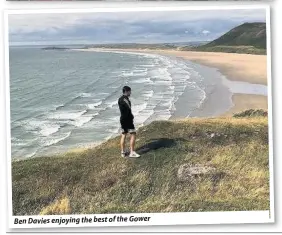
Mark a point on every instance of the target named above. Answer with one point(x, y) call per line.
point(248, 38)
point(98, 180)
point(247, 34)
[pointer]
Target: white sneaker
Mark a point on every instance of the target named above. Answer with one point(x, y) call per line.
point(134, 154)
point(125, 153)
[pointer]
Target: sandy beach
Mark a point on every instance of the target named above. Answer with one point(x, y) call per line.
point(235, 67)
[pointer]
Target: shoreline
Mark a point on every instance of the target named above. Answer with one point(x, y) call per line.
point(242, 68)
point(214, 105)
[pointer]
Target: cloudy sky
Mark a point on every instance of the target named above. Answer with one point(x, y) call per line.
point(119, 27)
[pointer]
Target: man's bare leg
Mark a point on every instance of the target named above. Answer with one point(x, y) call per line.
point(132, 142)
point(132, 146)
point(122, 142)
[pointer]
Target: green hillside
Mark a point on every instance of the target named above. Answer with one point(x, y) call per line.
point(215, 164)
point(247, 38)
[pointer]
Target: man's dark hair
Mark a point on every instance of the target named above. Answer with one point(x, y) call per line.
point(125, 89)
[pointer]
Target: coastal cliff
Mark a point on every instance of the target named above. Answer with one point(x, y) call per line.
point(214, 164)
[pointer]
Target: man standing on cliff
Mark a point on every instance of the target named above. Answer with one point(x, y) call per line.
point(126, 121)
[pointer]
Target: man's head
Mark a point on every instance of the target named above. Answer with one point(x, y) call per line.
point(126, 90)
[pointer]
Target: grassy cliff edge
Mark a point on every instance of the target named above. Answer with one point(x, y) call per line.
point(98, 180)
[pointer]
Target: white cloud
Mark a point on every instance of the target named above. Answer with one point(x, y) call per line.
point(56, 21)
point(128, 26)
point(206, 32)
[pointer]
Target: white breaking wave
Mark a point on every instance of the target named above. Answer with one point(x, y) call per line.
point(138, 108)
point(17, 142)
point(55, 141)
point(148, 94)
point(127, 74)
point(142, 80)
point(85, 95)
point(49, 129)
point(67, 115)
point(111, 104)
point(29, 155)
point(81, 121)
point(44, 127)
point(94, 105)
point(143, 116)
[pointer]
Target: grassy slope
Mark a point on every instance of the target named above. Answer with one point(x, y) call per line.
point(249, 38)
point(100, 181)
point(247, 34)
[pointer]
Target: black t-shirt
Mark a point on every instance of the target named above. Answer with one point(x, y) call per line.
point(125, 108)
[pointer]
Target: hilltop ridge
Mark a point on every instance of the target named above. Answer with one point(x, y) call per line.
point(247, 38)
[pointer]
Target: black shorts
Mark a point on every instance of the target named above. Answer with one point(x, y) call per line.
point(127, 126)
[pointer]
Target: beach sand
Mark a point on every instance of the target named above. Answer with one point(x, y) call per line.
point(244, 102)
point(235, 67)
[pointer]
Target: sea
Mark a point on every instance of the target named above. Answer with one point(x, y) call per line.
point(67, 99)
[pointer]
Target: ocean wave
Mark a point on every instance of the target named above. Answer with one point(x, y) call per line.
point(147, 65)
point(94, 105)
point(81, 121)
point(85, 95)
point(29, 155)
point(101, 95)
point(76, 97)
point(133, 73)
point(138, 74)
point(148, 94)
point(113, 130)
point(49, 129)
point(111, 104)
point(114, 119)
point(14, 139)
point(139, 107)
point(22, 141)
point(137, 69)
point(141, 118)
point(59, 107)
point(163, 114)
point(166, 103)
point(204, 96)
point(127, 74)
point(162, 82)
point(18, 142)
point(128, 52)
point(142, 80)
point(168, 92)
point(67, 115)
point(164, 74)
point(43, 127)
point(55, 141)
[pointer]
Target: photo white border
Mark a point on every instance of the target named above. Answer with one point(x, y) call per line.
point(179, 218)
